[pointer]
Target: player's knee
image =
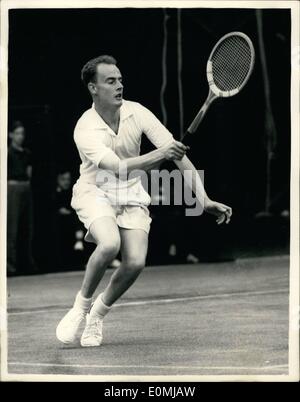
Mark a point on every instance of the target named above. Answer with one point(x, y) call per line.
point(110, 249)
point(134, 265)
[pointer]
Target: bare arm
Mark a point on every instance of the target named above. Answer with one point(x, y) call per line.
point(193, 179)
point(172, 151)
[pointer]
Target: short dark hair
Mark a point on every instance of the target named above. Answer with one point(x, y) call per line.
point(15, 124)
point(88, 71)
point(62, 170)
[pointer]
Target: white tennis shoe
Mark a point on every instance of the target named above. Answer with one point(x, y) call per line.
point(92, 334)
point(67, 330)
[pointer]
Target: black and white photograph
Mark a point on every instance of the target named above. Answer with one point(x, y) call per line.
point(149, 192)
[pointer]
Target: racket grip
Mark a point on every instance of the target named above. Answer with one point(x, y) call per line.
point(193, 127)
point(197, 120)
point(186, 134)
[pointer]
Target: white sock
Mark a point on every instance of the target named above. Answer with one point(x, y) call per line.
point(82, 303)
point(99, 308)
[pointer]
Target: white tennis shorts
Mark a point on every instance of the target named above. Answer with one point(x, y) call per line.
point(90, 204)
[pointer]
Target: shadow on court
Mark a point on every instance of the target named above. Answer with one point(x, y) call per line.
point(204, 319)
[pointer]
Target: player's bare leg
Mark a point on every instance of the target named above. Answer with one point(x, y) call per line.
point(106, 234)
point(107, 237)
point(134, 245)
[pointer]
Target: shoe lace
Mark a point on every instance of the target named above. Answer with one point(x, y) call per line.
point(94, 327)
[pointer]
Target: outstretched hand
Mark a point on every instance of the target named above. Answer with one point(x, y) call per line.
point(222, 211)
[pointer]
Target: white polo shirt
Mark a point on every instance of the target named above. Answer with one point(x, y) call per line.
point(95, 139)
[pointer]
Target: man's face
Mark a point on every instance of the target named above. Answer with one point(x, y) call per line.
point(18, 135)
point(108, 85)
point(64, 180)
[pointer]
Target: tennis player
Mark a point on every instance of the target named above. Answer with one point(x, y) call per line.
point(108, 138)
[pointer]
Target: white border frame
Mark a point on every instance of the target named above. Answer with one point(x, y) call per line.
point(294, 217)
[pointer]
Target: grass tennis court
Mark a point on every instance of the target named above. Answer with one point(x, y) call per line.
point(203, 319)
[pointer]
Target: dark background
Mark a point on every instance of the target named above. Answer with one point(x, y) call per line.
point(47, 49)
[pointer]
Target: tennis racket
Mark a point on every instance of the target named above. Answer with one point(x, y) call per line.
point(228, 69)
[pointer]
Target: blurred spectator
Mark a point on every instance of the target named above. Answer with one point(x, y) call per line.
point(65, 221)
point(19, 204)
point(71, 250)
point(64, 193)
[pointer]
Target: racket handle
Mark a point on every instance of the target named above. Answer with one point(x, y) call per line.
point(197, 120)
point(199, 117)
point(185, 135)
point(195, 123)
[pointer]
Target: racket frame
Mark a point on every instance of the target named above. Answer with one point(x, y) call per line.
point(214, 91)
point(218, 92)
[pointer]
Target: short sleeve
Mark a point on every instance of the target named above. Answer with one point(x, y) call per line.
point(90, 143)
point(152, 127)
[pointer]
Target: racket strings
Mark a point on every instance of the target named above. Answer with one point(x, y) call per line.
point(231, 63)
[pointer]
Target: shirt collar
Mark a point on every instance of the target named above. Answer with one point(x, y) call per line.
point(125, 112)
